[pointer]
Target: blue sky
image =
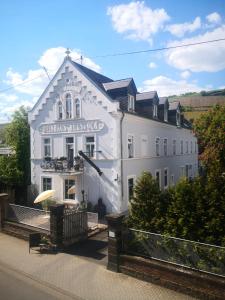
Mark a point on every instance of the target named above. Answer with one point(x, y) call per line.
point(35, 33)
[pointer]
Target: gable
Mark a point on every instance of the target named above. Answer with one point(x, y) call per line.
point(70, 78)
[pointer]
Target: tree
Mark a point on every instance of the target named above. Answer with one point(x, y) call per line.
point(15, 169)
point(210, 129)
point(148, 205)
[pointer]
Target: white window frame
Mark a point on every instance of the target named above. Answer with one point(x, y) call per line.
point(166, 186)
point(165, 147)
point(144, 145)
point(65, 148)
point(157, 146)
point(160, 177)
point(182, 171)
point(75, 108)
point(42, 183)
point(64, 188)
point(43, 146)
point(187, 147)
point(174, 147)
point(181, 147)
point(130, 136)
point(94, 143)
point(71, 106)
point(165, 113)
point(172, 179)
point(155, 110)
point(134, 180)
point(131, 101)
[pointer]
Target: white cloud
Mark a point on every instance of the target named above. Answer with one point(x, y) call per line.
point(180, 29)
point(137, 20)
point(214, 18)
point(35, 81)
point(208, 57)
point(166, 86)
point(32, 84)
point(185, 74)
point(152, 65)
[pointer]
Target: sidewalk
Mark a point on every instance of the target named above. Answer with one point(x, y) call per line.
point(78, 276)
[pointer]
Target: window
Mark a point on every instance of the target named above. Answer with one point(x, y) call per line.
point(165, 146)
point(47, 147)
point(186, 146)
point(46, 183)
point(77, 108)
point(68, 106)
point(182, 171)
point(186, 170)
point(90, 146)
point(191, 146)
point(155, 110)
point(172, 180)
point(165, 178)
point(130, 146)
point(70, 149)
point(165, 114)
point(60, 114)
point(144, 146)
point(130, 188)
point(130, 103)
point(190, 172)
point(157, 146)
point(67, 185)
point(178, 117)
point(195, 147)
point(158, 177)
point(181, 147)
point(174, 147)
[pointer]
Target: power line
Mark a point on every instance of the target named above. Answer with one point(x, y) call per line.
point(158, 49)
point(122, 54)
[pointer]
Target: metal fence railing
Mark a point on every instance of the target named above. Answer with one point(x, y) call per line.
point(92, 220)
point(74, 224)
point(29, 216)
point(204, 257)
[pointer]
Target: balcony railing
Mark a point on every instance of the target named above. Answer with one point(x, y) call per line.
point(63, 164)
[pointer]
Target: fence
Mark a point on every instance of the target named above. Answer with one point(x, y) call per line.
point(194, 255)
point(92, 220)
point(29, 216)
point(75, 226)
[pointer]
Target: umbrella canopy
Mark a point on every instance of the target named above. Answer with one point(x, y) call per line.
point(71, 190)
point(44, 195)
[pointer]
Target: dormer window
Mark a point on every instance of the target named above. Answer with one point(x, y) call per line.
point(165, 114)
point(60, 112)
point(68, 106)
point(155, 111)
point(178, 117)
point(130, 103)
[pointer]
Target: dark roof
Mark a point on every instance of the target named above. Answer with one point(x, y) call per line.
point(98, 79)
point(174, 105)
point(162, 100)
point(146, 96)
point(117, 84)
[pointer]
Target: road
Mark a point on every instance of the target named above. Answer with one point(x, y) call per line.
point(15, 285)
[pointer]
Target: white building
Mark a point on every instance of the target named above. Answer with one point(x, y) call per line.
point(122, 131)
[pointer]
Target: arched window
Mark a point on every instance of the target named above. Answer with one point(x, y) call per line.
point(68, 106)
point(60, 115)
point(77, 108)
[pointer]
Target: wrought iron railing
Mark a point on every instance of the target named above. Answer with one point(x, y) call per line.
point(62, 164)
point(199, 256)
point(29, 216)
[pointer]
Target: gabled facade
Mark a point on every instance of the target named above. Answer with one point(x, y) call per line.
point(99, 134)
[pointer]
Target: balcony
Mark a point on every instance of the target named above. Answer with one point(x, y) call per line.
point(63, 165)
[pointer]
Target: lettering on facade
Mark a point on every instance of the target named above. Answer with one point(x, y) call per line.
point(85, 126)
